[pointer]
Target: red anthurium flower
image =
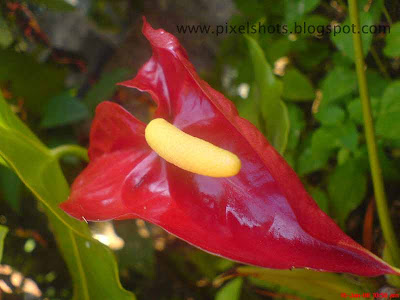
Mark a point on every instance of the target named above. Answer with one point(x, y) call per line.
point(261, 216)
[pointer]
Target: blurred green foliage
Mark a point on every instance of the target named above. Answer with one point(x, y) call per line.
point(3, 232)
point(300, 90)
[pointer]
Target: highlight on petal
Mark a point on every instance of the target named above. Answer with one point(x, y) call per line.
point(262, 216)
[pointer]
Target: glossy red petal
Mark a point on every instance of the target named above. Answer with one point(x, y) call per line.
point(114, 129)
point(117, 149)
point(263, 216)
point(96, 192)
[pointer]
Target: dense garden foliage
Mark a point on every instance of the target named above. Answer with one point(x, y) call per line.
point(293, 75)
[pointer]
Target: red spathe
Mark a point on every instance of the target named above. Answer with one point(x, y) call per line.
point(263, 216)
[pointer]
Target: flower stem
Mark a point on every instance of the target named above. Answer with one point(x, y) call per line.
point(379, 190)
point(75, 150)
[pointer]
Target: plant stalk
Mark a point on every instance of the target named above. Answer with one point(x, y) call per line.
point(377, 179)
point(75, 150)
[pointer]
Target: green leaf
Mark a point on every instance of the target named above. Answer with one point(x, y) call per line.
point(208, 265)
point(338, 83)
point(3, 232)
point(269, 90)
point(297, 125)
point(388, 121)
point(276, 49)
point(392, 48)
point(36, 84)
point(314, 25)
point(376, 83)
point(91, 264)
point(249, 108)
point(310, 161)
point(344, 40)
point(327, 138)
point(250, 7)
point(313, 55)
point(321, 285)
point(342, 156)
point(6, 37)
point(230, 291)
point(324, 141)
point(63, 109)
point(3, 162)
point(355, 110)
point(10, 188)
point(375, 8)
point(347, 187)
point(105, 87)
point(390, 167)
point(297, 87)
point(61, 5)
point(393, 280)
point(330, 115)
point(295, 10)
point(321, 198)
point(348, 136)
point(143, 260)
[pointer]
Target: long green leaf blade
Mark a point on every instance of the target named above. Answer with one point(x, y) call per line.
point(269, 89)
point(3, 232)
point(91, 264)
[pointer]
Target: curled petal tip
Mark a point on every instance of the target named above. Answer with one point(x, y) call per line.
point(72, 209)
